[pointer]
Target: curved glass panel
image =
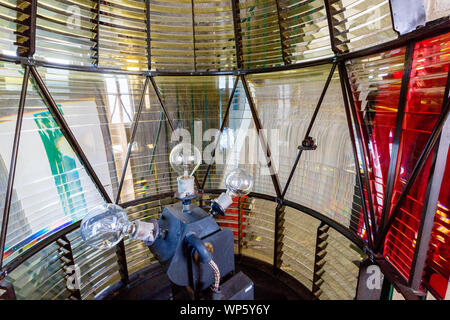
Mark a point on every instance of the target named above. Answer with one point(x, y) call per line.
point(427, 84)
point(325, 178)
point(98, 269)
point(172, 36)
point(100, 110)
point(52, 194)
point(122, 41)
point(436, 9)
point(259, 230)
point(11, 79)
point(437, 271)
point(40, 277)
point(299, 246)
point(214, 35)
point(261, 44)
point(45, 275)
point(11, 19)
point(65, 30)
point(240, 146)
point(148, 168)
point(196, 106)
point(359, 24)
point(340, 278)
point(305, 27)
point(375, 82)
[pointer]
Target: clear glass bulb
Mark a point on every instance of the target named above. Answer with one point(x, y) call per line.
point(238, 182)
point(105, 225)
point(185, 158)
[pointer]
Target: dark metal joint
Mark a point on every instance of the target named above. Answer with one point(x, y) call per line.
point(308, 144)
point(280, 202)
point(28, 61)
point(370, 254)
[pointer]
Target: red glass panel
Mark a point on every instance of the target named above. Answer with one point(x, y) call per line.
point(231, 218)
point(428, 79)
point(376, 82)
point(437, 270)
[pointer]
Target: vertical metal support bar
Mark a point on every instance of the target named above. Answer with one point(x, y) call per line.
point(193, 35)
point(278, 236)
point(97, 36)
point(397, 135)
point(330, 26)
point(428, 212)
point(149, 39)
point(284, 49)
point(320, 258)
point(308, 131)
point(239, 227)
point(355, 157)
point(122, 261)
point(67, 132)
point(222, 127)
point(360, 146)
point(27, 48)
point(431, 200)
point(137, 116)
point(69, 266)
point(13, 163)
point(262, 139)
point(237, 32)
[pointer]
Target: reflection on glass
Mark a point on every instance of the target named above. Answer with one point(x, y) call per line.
point(306, 29)
point(359, 24)
point(325, 178)
point(261, 44)
point(428, 79)
point(437, 270)
point(52, 188)
point(68, 42)
point(172, 33)
point(376, 82)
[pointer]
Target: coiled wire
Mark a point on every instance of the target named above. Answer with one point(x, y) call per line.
point(216, 270)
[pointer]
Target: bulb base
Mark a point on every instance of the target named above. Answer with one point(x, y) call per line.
point(186, 187)
point(219, 205)
point(145, 231)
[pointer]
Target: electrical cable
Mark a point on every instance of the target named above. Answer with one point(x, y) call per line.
point(215, 268)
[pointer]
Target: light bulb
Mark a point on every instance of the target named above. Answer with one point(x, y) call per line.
point(238, 182)
point(185, 159)
point(105, 225)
